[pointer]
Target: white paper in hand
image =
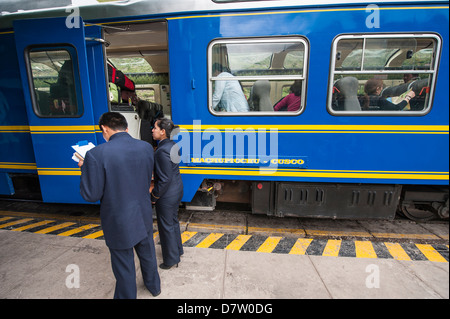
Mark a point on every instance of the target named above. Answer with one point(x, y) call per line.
point(81, 148)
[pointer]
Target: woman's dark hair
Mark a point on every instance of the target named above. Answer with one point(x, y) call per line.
point(296, 88)
point(114, 121)
point(168, 126)
point(370, 88)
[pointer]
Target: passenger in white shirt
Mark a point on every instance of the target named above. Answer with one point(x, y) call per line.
point(228, 95)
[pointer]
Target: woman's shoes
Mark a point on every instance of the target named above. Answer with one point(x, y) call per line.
point(164, 266)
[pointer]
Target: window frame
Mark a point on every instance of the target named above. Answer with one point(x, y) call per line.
point(255, 40)
point(72, 51)
point(434, 67)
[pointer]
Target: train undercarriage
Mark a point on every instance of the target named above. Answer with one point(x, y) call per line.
point(327, 200)
point(315, 200)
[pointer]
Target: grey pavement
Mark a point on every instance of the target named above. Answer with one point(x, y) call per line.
point(50, 266)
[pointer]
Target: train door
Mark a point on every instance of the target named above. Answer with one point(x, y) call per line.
point(140, 51)
point(59, 71)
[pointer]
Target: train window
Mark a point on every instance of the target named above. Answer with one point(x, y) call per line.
point(254, 76)
point(383, 74)
point(55, 84)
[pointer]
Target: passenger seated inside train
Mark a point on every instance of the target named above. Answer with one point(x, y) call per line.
point(373, 100)
point(228, 95)
point(62, 99)
point(349, 94)
point(409, 77)
point(291, 102)
point(419, 86)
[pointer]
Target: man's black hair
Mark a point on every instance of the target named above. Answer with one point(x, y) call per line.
point(114, 121)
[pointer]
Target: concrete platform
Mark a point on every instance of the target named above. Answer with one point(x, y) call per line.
point(45, 266)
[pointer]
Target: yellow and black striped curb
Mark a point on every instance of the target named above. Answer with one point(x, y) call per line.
point(257, 243)
point(317, 247)
point(51, 226)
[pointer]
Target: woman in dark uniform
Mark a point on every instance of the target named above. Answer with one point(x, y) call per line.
point(167, 194)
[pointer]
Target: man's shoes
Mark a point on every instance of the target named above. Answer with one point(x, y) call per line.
point(164, 266)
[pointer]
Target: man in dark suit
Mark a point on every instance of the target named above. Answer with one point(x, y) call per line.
point(118, 174)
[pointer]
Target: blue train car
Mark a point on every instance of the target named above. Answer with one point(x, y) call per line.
point(315, 109)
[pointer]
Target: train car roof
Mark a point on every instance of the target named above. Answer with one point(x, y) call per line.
point(95, 11)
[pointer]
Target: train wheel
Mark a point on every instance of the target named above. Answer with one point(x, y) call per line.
point(418, 213)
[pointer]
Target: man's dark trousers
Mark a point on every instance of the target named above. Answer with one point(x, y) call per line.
point(122, 261)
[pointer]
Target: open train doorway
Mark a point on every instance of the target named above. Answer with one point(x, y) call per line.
point(140, 52)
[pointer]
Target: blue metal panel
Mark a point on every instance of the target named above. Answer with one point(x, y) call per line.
point(16, 154)
point(53, 136)
point(361, 155)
